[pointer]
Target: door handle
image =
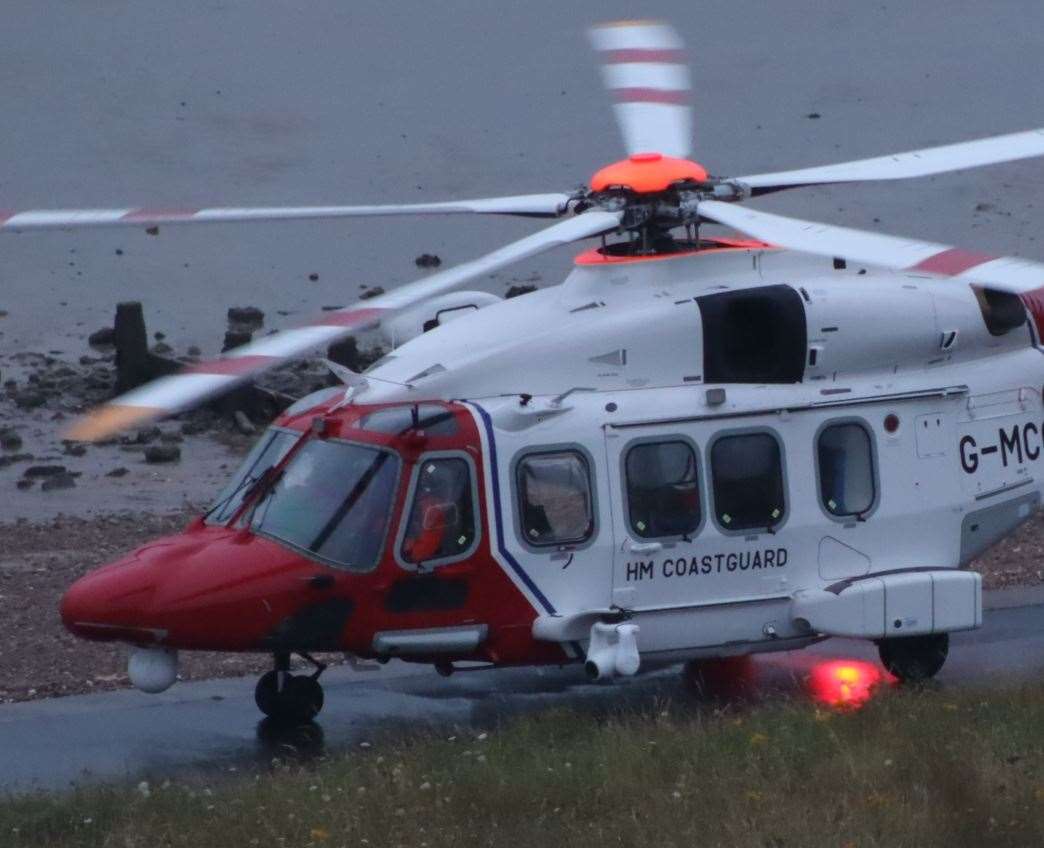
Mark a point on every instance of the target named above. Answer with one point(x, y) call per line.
point(644, 547)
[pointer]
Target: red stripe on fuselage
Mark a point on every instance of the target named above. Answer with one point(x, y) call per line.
point(232, 365)
point(651, 95)
point(638, 54)
point(952, 262)
point(1034, 303)
point(5, 215)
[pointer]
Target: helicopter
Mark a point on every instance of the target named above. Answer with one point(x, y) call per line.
point(693, 447)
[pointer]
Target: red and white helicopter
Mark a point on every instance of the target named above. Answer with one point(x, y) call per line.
point(715, 447)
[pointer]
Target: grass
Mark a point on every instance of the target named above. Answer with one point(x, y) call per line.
point(911, 768)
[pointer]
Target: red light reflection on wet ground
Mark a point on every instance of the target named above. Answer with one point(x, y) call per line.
point(845, 682)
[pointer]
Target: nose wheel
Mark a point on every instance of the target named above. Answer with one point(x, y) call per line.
point(283, 696)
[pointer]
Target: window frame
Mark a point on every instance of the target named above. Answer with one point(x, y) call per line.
point(381, 551)
point(233, 518)
point(407, 510)
point(784, 478)
point(851, 518)
point(625, 489)
point(516, 496)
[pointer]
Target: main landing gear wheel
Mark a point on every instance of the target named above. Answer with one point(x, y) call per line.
point(299, 699)
point(914, 659)
point(720, 677)
point(283, 696)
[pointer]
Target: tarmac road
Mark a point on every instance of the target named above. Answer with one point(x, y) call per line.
point(213, 726)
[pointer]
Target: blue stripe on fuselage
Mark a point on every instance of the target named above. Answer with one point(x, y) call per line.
point(498, 516)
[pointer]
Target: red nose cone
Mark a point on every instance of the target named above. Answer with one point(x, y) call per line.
point(646, 173)
point(110, 604)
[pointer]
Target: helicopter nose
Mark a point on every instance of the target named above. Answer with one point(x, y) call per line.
point(110, 603)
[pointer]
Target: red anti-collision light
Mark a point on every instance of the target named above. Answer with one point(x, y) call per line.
point(844, 683)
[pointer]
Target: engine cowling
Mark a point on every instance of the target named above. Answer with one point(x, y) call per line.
point(434, 313)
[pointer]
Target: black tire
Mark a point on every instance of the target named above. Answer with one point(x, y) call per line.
point(914, 659)
point(301, 698)
point(265, 694)
point(304, 698)
point(720, 678)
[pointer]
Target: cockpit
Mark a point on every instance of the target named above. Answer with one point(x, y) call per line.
point(330, 490)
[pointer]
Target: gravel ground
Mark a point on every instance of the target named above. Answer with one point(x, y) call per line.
point(40, 659)
point(40, 560)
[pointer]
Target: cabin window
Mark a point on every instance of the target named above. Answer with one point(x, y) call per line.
point(755, 335)
point(747, 472)
point(663, 495)
point(554, 491)
point(267, 452)
point(846, 469)
point(441, 523)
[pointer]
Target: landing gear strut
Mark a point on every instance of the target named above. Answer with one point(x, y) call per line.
point(283, 696)
point(914, 659)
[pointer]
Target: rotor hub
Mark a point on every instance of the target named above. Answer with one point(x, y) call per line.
point(648, 173)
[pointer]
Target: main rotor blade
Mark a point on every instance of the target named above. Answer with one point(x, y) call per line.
point(528, 205)
point(1006, 273)
point(913, 163)
point(197, 383)
point(645, 68)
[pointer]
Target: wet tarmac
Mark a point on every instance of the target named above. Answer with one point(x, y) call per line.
point(214, 726)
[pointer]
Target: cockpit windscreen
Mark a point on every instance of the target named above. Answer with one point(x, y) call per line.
point(333, 500)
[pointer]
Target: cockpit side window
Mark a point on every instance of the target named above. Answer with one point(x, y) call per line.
point(267, 452)
point(554, 494)
point(441, 523)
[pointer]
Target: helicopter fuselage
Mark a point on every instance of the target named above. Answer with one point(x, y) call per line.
point(728, 451)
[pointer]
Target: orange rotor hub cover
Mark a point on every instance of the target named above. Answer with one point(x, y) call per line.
point(646, 173)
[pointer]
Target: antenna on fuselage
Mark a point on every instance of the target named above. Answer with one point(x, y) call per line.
point(355, 380)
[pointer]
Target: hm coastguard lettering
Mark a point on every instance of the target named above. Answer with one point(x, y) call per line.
point(720, 563)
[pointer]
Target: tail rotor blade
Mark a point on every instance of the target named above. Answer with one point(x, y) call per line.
point(198, 383)
point(644, 66)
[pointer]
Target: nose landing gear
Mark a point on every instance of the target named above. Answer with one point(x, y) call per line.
point(283, 696)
